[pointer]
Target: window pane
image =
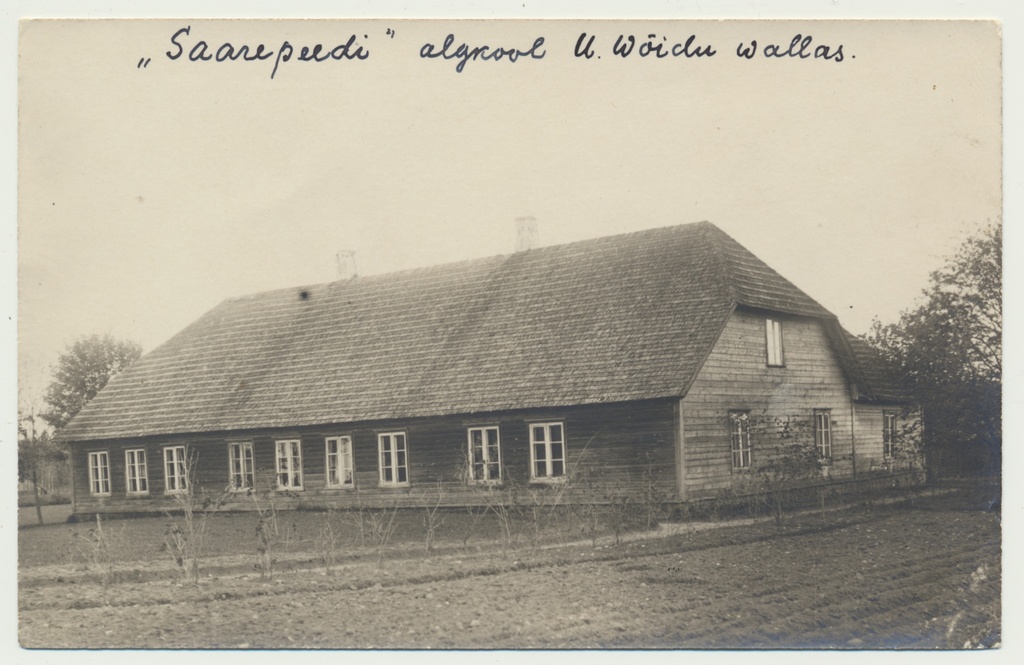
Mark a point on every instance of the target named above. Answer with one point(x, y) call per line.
point(538, 434)
point(539, 452)
point(557, 468)
point(332, 470)
point(556, 451)
point(556, 432)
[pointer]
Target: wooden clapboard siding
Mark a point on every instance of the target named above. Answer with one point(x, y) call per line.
point(617, 447)
point(868, 430)
point(870, 438)
point(781, 400)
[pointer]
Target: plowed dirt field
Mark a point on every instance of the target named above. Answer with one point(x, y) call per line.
point(924, 575)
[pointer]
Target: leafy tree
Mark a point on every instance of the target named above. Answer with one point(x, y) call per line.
point(947, 353)
point(35, 449)
point(82, 371)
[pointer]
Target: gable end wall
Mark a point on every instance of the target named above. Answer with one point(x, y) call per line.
point(781, 400)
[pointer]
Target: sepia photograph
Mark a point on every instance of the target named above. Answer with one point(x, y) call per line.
point(384, 333)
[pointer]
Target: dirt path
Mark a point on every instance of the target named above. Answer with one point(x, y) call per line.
point(906, 578)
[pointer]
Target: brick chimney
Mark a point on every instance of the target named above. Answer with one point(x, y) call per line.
point(346, 264)
point(526, 233)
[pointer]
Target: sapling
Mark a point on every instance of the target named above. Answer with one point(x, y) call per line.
point(185, 539)
point(99, 547)
point(381, 526)
point(264, 498)
point(433, 518)
point(327, 542)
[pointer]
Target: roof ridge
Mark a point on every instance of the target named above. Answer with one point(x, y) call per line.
point(360, 279)
point(464, 262)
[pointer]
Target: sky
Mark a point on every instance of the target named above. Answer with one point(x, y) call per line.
point(147, 195)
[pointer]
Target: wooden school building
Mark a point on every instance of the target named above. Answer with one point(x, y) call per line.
point(670, 357)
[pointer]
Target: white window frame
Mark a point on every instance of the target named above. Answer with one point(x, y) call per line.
point(340, 459)
point(393, 446)
point(175, 470)
point(288, 464)
point(99, 473)
point(823, 433)
point(739, 438)
point(549, 460)
point(486, 464)
point(241, 466)
point(774, 348)
point(136, 469)
point(888, 434)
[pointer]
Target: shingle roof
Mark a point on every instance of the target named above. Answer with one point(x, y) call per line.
point(876, 382)
point(613, 319)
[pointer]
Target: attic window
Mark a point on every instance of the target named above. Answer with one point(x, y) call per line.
point(773, 337)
